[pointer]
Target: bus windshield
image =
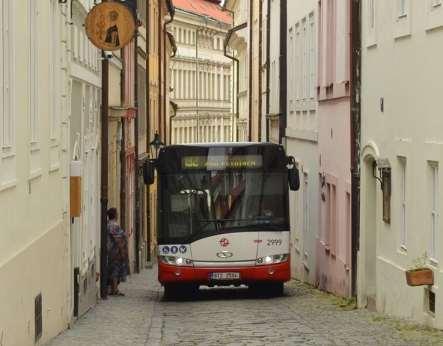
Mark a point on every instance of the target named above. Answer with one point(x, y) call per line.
point(200, 204)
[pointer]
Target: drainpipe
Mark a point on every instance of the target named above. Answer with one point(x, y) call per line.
point(123, 144)
point(283, 71)
point(234, 61)
point(171, 10)
point(174, 108)
point(104, 178)
point(148, 128)
point(268, 65)
point(260, 62)
point(159, 38)
point(136, 138)
point(355, 114)
point(251, 18)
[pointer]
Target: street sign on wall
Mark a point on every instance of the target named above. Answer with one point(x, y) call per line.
point(110, 25)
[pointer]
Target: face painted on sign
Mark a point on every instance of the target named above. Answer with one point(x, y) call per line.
point(112, 36)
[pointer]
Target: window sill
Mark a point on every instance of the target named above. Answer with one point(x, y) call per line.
point(8, 185)
point(35, 174)
point(433, 263)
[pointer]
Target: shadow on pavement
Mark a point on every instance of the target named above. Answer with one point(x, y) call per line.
point(224, 293)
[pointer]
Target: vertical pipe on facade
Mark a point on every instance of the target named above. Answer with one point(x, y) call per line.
point(104, 178)
point(123, 144)
point(159, 60)
point(165, 69)
point(268, 65)
point(251, 18)
point(282, 70)
point(148, 124)
point(197, 74)
point(355, 114)
point(136, 163)
point(235, 84)
point(235, 62)
point(260, 87)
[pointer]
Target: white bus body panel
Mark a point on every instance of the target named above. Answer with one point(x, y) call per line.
point(226, 247)
point(273, 243)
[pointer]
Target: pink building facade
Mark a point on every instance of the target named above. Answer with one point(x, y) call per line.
point(334, 239)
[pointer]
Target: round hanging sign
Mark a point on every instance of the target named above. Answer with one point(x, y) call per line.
point(110, 25)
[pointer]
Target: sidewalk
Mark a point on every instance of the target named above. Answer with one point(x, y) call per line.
point(117, 320)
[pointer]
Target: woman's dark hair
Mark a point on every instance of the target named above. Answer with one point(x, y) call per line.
point(112, 213)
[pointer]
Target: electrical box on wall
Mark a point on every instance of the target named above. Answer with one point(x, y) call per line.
point(76, 188)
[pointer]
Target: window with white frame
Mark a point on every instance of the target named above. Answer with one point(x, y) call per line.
point(33, 70)
point(371, 14)
point(6, 68)
point(434, 211)
point(305, 58)
point(403, 201)
point(312, 55)
point(402, 8)
point(291, 68)
point(54, 70)
point(297, 63)
point(306, 204)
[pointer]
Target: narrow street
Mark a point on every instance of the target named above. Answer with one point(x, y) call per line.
point(304, 316)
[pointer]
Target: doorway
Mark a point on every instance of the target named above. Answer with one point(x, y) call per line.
point(369, 209)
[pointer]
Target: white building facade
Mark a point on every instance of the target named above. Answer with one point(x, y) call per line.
point(201, 80)
point(35, 298)
point(85, 100)
point(49, 117)
point(302, 133)
point(402, 146)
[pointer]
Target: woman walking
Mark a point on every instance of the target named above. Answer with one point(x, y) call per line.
point(117, 253)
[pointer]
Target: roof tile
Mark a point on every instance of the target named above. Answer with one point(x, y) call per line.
point(208, 8)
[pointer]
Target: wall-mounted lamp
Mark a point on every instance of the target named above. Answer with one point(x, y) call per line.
point(384, 167)
point(156, 145)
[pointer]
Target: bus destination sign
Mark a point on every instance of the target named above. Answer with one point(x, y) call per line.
point(222, 162)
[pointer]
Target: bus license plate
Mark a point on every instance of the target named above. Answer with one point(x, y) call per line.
point(225, 276)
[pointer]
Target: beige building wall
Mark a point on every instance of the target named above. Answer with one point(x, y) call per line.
point(302, 134)
point(401, 133)
point(247, 46)
point(34, 171)
point(201, 80)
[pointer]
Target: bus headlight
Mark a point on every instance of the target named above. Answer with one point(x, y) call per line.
point(176, 261)
point(272, 259)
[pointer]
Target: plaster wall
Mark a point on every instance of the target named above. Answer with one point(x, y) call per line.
point(401, 58)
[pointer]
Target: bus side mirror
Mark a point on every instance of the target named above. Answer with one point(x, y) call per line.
point(293, 178)
point(293, 174)
point(148, 172)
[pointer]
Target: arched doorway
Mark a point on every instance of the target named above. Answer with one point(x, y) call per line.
point(367, 271)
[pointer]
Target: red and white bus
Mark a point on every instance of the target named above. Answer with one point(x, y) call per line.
point(223, 215)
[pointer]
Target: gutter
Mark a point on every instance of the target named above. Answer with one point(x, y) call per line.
point(235, 61)
point(173, 44)
point(283, 72)
point(171, 10)
point(251, 39)
point(137, 191)
point(174, 108)
point(260, 74)
point(148, 127)
point(355, 115)
point(104, 115)
point(268, 65)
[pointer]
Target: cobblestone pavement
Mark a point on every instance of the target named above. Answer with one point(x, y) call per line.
point(303, 316)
